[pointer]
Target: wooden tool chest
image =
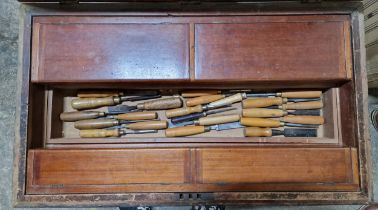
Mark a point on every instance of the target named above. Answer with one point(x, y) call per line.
point(178, 46)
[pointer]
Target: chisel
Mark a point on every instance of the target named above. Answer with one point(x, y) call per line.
point(102, 133)
point(287, 132)
point(291, 121)
point(209, 120)
point(197, 129)
point(195, 116)
point(107, 93)
point(91, 103)
point(266, 102)
point(261, 112)
point(289, 94)
point(86, 115)
point(228, 100)
point(132, 124)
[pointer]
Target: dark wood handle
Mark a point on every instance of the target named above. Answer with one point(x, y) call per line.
point(203, 100)
point(161, 104)
point(196, 93)
point(148, 125)
point(261, 112)
point(183, 111)
point(302, 119)
point(263, 102)
point(257, 132)
point(184, 131)
point(260, 122)
point(99, 133)
point(91, 103)
point(83, 115)
point(137, 116)
point(302, 94)
point(95, 124)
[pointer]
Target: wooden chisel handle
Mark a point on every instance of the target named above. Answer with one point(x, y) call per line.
point(159, 104)
point(98, 93)
point(301, 94)
point(137, 116)
point(183, 111)
point(91, 103)
point(185, 131)
point(196, 93)
point(257, 132)
point(83, 115)
point(228, 100)
point(302, 105)
point(203, 100)
point(302, 119)
point(263, 102)
point(261, 112)
point(95, 124)
point(260, 122)
point(217, 119)
point(148, 125)
point(99, 133)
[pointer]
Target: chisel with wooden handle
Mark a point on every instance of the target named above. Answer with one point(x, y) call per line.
point(301, 121)
point(210, 120)
point(203, 100)
point(262, 112)
point(86, 115)
point(198, 129)
point(228, 100)
point(106, 123)
point(103, 133)
point(195, 116)
point(267, 102)
point(107, 93)
point(289, 94)
point(287, 132)
point(92, 103)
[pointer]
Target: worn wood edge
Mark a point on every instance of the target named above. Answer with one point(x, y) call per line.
point(361, 101)
point(23, 75)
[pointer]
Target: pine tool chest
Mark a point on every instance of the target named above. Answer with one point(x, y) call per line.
point(184, 103)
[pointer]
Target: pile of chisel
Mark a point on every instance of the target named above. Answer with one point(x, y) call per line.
point(289, 114)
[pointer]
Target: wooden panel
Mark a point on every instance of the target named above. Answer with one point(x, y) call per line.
point(272, 51)
point(276, 165)
point(66, 168)
point(102, 52)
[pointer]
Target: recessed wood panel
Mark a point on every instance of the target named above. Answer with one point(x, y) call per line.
point(74, 51)
point(62, 168)
point(272, 51)
point(277, 165)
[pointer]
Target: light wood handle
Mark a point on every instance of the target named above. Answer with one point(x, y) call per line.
point(94, 124)
point(137, 116)
point(183, 111)
point(83, 115)
point(99, 133)
point(218, 119)
point(303, 105)
point(203, 100)
point(91, 103)
point(302, 119)
point(260, 122)
point(97, 93)
point(301, 94)
point(257, 132)
point(148, 125)
point(196, 93)
point(261, 112)
point(228, 100)
point(263, 102)
point(184, 131)
point(160, 104)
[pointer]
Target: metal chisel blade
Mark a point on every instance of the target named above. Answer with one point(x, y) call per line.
point(302, 99)
point(301, 125)
point(310, 112)
point(226, 126)
point(260, 94)
point(300, 132)
point(171, 125)
point(121, 109)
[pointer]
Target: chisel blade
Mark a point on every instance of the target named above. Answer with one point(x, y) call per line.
point(296, 100)
point(121, 109)
point(216, 111)
point(301, 125)
point(289, 132)
point(226, 126)
point(308, 112)
point(172, 125)
point(261, 94)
